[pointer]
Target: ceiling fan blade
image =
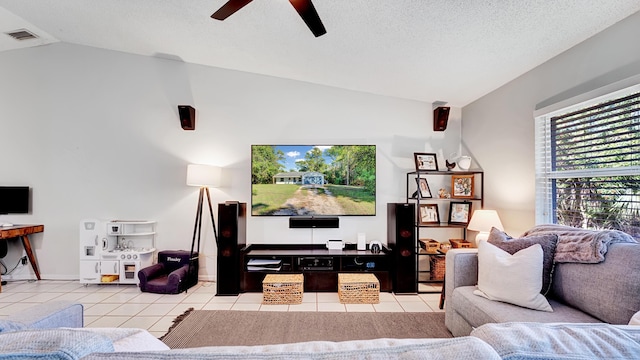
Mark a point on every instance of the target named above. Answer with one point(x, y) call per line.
point(229, 9)
point(310, 16)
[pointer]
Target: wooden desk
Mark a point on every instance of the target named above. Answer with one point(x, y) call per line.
point(22, 232)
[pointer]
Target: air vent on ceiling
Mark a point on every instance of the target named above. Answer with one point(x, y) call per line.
point(22, 34)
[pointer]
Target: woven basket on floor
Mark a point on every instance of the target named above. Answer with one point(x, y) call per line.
point(282, 289)
point(358, 289)
point(437, 264)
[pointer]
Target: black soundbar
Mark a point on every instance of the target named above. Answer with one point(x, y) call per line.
point(318, 222)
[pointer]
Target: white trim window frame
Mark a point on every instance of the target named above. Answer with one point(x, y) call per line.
point(588, 163)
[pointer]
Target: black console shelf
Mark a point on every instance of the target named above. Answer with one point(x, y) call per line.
point(319, 265)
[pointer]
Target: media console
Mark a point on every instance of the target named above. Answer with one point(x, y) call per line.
point(319, 265)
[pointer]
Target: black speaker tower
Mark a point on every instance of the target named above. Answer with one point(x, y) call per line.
point(232, 225)
point(401, 238)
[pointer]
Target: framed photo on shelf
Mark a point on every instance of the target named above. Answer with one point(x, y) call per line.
point(428, 214)
point(462, 186)
point(423, 188)
point(425, 161)
point(459, 212)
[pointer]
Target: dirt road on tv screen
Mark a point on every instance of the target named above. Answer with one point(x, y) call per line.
point(311, 201)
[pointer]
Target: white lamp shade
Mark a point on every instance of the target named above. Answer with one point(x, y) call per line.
point(484, 220)
point(203, 175)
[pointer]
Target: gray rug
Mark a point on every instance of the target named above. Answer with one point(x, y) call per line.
point(224, 327)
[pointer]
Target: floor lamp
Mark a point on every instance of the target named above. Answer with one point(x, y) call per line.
point(204, 176)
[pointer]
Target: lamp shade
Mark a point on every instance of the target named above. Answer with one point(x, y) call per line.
point(484, 220)
point(203, 175)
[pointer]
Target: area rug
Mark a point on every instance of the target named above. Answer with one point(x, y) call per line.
point(226, 327)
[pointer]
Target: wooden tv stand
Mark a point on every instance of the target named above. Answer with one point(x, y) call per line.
point(319, 265)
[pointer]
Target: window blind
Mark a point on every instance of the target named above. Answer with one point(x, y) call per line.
point(588, 164)
point(601, 136)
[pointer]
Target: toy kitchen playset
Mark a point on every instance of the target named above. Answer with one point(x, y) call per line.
point(114, 251)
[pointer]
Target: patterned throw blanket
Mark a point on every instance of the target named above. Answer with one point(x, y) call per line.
point(581, 245)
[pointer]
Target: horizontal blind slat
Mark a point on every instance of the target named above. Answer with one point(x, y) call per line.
point(597, 106)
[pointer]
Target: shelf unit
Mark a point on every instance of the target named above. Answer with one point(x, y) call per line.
point(437, 180)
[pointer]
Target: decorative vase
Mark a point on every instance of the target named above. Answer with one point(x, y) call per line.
point(464, 162)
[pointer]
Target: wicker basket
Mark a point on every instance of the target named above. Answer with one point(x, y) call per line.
point(437, 264)
point(429, 245)
point(459, 243)
point(282, 289)
point(358, 289)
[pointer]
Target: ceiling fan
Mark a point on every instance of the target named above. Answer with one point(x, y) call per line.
point(305, 9)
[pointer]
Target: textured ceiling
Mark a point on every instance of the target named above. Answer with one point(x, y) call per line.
point(430, 50)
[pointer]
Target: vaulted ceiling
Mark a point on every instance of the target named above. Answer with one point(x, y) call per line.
point(453, 51)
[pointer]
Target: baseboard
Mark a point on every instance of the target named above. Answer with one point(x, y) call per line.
point(42, 276)
point(208, 278)
point(9, 278)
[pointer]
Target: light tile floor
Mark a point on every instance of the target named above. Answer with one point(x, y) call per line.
point(116, 305)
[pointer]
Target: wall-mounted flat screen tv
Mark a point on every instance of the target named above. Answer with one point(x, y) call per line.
point(310, 180)
point(14, 199)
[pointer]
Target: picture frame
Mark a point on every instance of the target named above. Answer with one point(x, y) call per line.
point(459, 212)
point(428, 214)
point(424, 192)
point(462, 186)
point(425, 161)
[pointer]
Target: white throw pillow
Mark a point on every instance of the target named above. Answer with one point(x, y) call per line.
point(635, 319)
point(514, 279)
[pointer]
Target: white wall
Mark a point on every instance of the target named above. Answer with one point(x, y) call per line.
point(499, 129)
point(96, 134)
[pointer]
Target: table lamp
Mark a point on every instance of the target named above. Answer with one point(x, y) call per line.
point(482, 221)
point(204, 176)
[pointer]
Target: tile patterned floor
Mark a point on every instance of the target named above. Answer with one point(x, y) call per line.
point(114, 305)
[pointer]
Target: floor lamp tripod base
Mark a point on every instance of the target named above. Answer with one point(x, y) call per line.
point(197, 229)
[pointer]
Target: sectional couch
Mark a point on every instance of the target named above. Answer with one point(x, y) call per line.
point(54, 331)
point(605, 292)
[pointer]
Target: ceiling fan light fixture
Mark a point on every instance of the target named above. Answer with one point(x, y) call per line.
point(310, 16)
point(305, 9)
point(229, 8)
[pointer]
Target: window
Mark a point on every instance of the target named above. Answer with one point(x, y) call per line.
point(588, 164)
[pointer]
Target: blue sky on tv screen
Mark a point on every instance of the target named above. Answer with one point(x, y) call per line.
point(295, 153)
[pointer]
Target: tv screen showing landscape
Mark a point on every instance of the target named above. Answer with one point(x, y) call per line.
point(313, 180)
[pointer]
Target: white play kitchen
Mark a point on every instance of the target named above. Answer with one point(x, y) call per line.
point(114, 251)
